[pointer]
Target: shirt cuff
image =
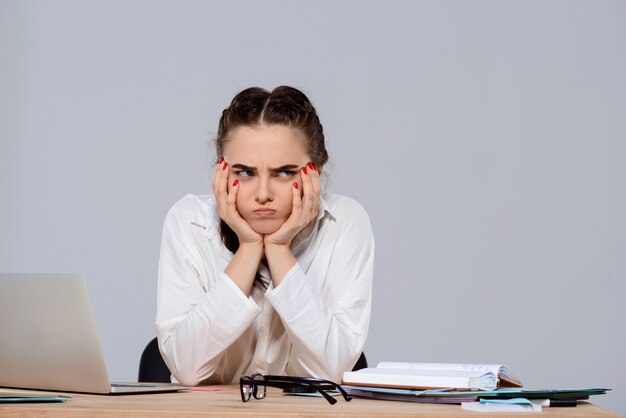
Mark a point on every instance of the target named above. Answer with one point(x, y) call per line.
point(236, 291)
point(227, 304)
point(293, 296)
point(285, 283)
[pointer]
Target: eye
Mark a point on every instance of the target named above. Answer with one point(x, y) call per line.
point(285, 173)
point(244, 173)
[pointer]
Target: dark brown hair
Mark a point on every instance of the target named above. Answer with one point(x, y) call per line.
point(284, 105)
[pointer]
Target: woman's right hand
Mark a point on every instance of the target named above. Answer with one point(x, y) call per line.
point(227, 208)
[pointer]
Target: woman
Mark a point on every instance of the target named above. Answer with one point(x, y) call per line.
point(267, 275)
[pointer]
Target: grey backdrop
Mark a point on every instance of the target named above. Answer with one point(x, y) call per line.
point(486, 139)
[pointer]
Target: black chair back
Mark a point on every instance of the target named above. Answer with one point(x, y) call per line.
point(152, 367)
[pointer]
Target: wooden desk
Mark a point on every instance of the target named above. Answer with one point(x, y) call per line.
point(229, 404)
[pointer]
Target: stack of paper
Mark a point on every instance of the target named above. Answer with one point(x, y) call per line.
point(432, 376)
point(407, 395)
point(502, 405)
point(455, 383)
point(17, 395)
point(546, 397)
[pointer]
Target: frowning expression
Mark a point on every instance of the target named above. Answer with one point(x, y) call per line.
point(266, 159)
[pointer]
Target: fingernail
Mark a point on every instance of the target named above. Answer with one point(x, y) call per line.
point(304, 170)
point(225, 166)
point(221, 160)
point(236, 182)
point(312, 166)
point(295, 185)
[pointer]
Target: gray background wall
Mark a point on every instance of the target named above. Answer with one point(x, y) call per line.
point(486, 139)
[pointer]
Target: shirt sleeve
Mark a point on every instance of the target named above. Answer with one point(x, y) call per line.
point(328, 326)
point(197, 317)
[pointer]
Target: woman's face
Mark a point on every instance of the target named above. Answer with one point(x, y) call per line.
point(266, 159)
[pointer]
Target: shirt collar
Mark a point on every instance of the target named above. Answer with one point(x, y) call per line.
point(324, 209)
point(304, 246)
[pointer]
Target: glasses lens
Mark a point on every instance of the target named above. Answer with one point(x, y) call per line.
point(246, 389)
point(259, 392)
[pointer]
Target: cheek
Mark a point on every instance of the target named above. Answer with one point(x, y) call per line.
point(286, 196)
point(243, 196)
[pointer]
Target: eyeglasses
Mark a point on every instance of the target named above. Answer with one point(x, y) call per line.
point(256, 384)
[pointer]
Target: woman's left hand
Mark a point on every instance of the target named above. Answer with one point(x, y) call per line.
point(304, 208)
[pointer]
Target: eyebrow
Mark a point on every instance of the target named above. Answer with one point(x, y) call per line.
point(242, 167)
point(286, 167)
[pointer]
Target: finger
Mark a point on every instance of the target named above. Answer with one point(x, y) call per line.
point(296, 200)
point(222, 180)
point(315, 178)
point(307, 190)
point(221, 189)
point(231, 197)
point(314, 195)
point(216, 174)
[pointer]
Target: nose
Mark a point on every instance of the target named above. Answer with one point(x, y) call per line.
point(264, 191)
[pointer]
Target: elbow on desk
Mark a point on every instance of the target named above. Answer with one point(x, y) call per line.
point(186, 370)
point(189, 376)
point(188, 380)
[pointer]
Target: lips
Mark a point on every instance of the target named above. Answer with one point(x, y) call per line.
point(264, 212)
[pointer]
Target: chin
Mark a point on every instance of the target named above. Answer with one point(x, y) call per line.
point(266, 227)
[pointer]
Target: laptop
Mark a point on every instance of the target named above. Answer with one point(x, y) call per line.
point(49, 340)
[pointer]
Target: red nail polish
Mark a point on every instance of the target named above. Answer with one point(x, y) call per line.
point(312, 166)
point(221, 160)
point(295, 185)
point(304, 170)
point(225, 166)
point(236, 182)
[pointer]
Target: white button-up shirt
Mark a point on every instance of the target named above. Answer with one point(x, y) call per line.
point(314, 323)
